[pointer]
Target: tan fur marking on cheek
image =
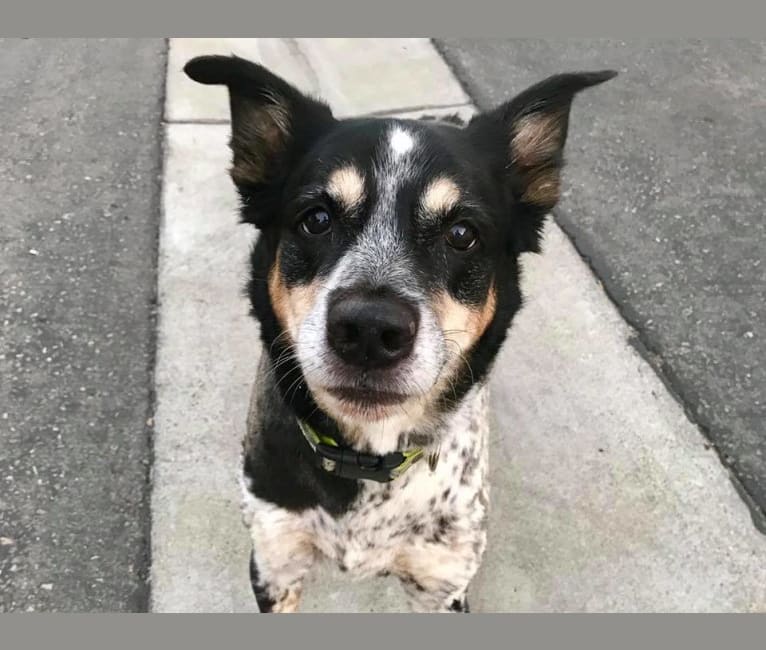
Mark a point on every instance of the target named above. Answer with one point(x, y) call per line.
point(346, 185)
point(291, 305)
point(487, 313)
point(463, 325)
point(301, 299)
point(440, 197)
point(278, 294)
point(537, 138)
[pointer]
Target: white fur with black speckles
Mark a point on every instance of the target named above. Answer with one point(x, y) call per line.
point(426, 527)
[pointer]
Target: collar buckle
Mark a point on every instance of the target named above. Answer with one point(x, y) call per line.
point(347, 463)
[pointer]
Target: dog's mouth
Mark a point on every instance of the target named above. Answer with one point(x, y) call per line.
point(368, 404)
point(366, 398)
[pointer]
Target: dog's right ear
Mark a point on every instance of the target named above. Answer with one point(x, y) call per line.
point(272, 123)
point(529, 133)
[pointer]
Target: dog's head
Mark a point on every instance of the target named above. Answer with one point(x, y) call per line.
point(386, 273)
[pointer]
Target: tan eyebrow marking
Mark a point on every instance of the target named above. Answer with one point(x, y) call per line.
point(441, 195)
point(346, 186)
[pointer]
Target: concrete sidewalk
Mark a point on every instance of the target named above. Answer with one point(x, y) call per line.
point(604, 498)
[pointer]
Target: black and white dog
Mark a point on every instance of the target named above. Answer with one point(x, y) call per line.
point(384, 279)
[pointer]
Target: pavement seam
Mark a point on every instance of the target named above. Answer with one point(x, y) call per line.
point(155, 357)
point(149, 431)
point(383, 113)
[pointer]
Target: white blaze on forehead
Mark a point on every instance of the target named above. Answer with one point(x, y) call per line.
point(439, 197)
point(346, 185)
point(379, 256)
point(400, 142)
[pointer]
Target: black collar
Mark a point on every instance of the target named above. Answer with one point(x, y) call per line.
point(346, 462)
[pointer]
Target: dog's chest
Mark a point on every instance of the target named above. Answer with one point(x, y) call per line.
point(445, 506)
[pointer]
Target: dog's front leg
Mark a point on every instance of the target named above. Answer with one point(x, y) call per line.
point(283, 554)
point(436, 576)
point(280, 593)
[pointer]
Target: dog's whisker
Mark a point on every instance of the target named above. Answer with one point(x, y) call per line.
point(460, 354)
point(277, 339)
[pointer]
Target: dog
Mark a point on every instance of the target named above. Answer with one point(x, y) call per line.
point(385, 278)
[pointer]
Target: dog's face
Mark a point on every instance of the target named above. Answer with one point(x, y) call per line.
point(386, 263)
point(386, 275)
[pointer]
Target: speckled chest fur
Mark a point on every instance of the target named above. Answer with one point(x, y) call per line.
point(428, 527)
point(385, 277)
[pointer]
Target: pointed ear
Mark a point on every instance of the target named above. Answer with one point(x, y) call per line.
point(532, 129)
point(272, 122)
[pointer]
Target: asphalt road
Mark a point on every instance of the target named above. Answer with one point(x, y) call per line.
point(670, 212)
point(79, 208)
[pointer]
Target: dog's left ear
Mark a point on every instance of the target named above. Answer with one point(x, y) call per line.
point(527, 136)
point(272, 124)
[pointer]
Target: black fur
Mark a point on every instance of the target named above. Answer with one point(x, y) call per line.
point(280, 464)
point(265, 602)
point(460, 606)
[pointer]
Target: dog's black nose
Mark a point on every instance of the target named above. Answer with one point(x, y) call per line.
point(371, 330)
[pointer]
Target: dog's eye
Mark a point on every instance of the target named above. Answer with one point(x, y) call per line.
point(316, 222)
point(461, 236)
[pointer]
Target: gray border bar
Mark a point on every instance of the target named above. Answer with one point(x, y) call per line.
point(701, 18)
point(624, 631)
